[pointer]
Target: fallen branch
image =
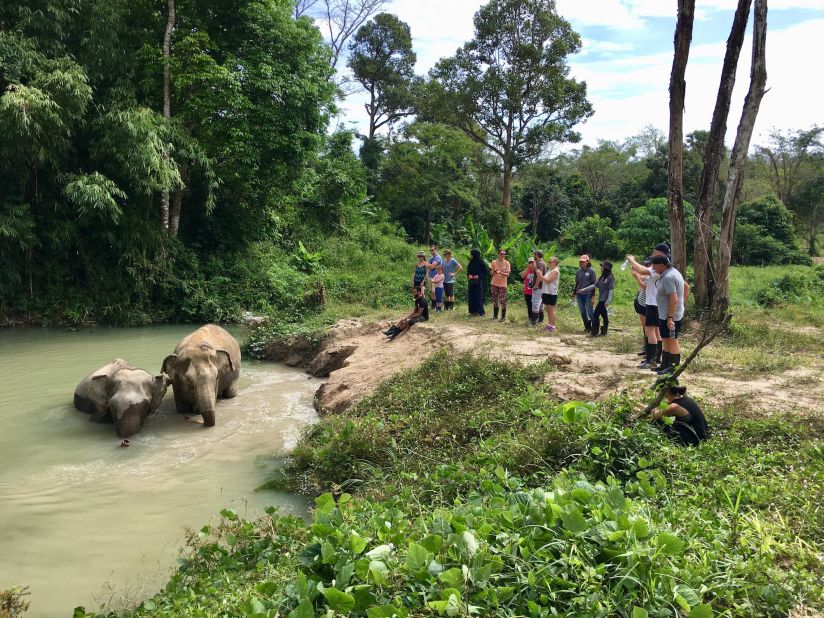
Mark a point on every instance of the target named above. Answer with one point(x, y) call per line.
point(662, 384)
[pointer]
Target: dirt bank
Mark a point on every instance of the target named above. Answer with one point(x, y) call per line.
point(355, 358)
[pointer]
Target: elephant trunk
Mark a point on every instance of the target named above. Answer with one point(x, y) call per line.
point(206, 400)
point(130, 420)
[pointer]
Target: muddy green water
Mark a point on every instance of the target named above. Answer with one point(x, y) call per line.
point(86, 522)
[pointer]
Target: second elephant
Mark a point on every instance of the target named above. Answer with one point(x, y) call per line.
point(205, 365)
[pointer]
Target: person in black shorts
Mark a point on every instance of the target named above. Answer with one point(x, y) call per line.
point(420, 314)
point(690, 426)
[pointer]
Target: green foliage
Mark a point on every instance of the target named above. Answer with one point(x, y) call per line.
point(593, 236)
point(644, 227)
point(794, 287)
point(765, 234)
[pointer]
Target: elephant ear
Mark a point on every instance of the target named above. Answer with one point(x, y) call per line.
point(169, 366)
point(159, 385)
point(99, 391)
point(226, 359)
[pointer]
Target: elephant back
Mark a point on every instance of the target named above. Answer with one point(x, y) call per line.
point(81, 393)
point(214, 336)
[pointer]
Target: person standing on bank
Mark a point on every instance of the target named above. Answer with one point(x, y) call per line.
point(690, 426)
point(585, 278)
point(500, 277)
point(451, 267)
point(671, 293)
point(549, 292)
point(419, 274)
point(476, 272)
point(640, 302)
point(434, 261)
point(654, 345)
point(605, 285)
point(528, 277)
point(537, 294)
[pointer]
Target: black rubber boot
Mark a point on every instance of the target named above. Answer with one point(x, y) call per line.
point(665, 363)
point(649, 360)
point(503, 314)
point(604, 331)
point(674, 361)
point(593, 331)
point(587, 326)
point(643, 351)
point(392, 332)
point(540, 316)
point(494, 313)
point(659, 350)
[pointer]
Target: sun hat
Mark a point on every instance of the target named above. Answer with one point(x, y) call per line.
point(421, 254)
point(661, 259)
point(584, 258)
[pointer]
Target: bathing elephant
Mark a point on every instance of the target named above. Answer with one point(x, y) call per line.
point(205, 366)
point(122, 394)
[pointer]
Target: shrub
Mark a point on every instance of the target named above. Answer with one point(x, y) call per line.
point(794, 287)
point(646, 226)
point(764, 234)
point(593, 236)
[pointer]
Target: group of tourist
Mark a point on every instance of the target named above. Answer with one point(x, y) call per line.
point(662, 294)
point(660, 301)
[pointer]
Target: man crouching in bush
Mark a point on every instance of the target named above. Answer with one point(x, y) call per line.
point(420, 314)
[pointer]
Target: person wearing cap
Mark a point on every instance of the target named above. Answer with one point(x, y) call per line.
point(419, 274)
point(528, 277)
point(500, 269)
point(605, 285)
point(671, 292)
point(654, 346)
point(585, 278)
point(537, 294)
point(476, 272)
point(549, 291)
point(451, 267)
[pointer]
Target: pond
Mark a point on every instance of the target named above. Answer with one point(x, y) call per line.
point(84, 521)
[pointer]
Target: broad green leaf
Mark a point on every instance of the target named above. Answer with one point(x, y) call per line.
point(639, 612)
point(303, 610)
point(356, 543)
point(378, 572)
point(670, 543)
point(640, 528)
point(324, 503)
point(417, 557)
point(574, 520)
point(452, 577)
point(338, 600)
point(379, 553)
point(701, 611)
point(387, 611)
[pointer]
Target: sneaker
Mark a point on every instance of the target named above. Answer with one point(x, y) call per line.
point(645, 364)
point(641, 353)
point(665, 371)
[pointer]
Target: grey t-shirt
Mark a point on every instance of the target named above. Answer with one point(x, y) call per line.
point(449, 269)
point(668, 282)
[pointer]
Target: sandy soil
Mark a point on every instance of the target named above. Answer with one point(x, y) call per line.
point(582, 369)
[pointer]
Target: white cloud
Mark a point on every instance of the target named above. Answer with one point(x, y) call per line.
point(630, 93)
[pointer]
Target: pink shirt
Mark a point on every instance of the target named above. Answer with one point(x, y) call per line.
point(438, 280)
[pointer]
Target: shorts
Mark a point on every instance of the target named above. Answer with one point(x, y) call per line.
point(549, 299)
point(417, 320)
point(449, 289)
point(665, 331)
point(651, 316)
point(639, 308)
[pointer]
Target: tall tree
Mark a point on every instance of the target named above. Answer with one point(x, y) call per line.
point(675, 159)
point(508, 88)
point(787, 157)
point(738, 160)
point(382, 61)
point(167, 105)
point(713, 156)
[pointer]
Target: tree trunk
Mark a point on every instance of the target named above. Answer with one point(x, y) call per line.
point(738, 161)
point(507, 183)
point(675, 161)
point(536, 211)
point(167, 106)
point(177, 201)
point(713, 154)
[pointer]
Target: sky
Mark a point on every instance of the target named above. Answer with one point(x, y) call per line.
point(627, 56)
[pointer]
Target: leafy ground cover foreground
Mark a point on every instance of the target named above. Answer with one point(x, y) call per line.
point(461, 489)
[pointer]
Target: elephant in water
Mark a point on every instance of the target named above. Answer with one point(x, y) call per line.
point(120, 393)
point(204, 366)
